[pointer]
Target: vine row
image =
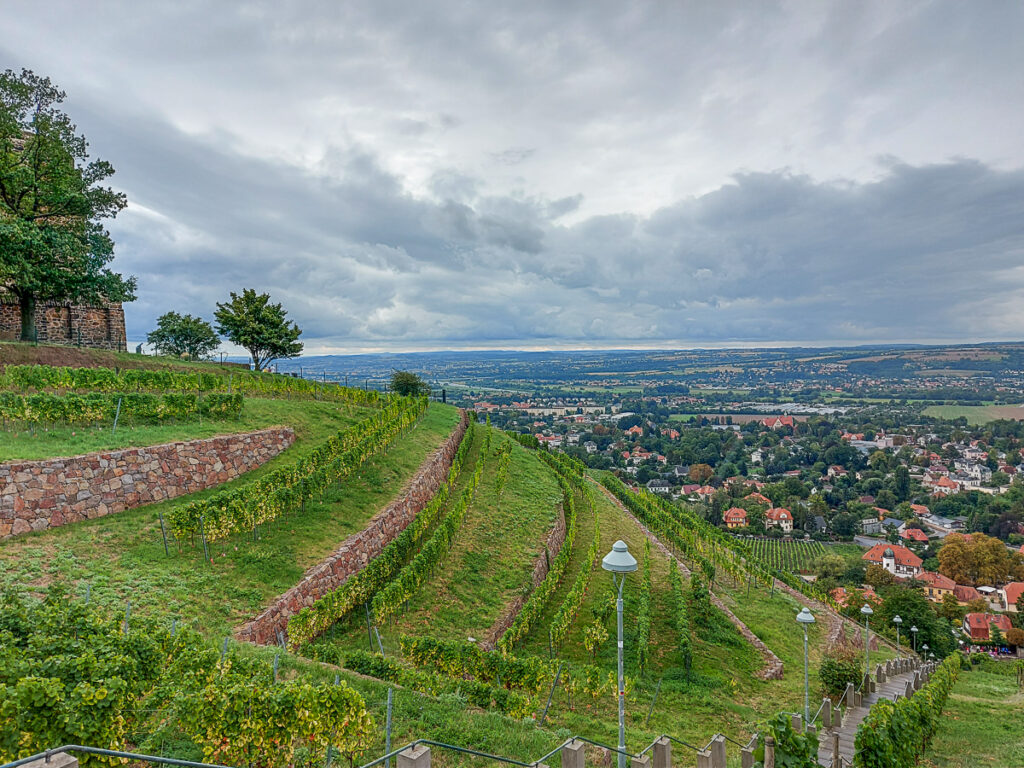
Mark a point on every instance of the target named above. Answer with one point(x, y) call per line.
point(45, 408)
point(570, 607)
point(286, 488)
point(314, 620)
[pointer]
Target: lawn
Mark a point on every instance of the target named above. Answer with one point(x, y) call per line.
point(981, 725)
point(121, 557)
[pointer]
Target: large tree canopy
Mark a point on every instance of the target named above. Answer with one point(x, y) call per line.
point(183, 335)
point(262, 328)
point(52, 246)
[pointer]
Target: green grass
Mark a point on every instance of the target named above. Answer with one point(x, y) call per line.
point(316, 419)
point(976, 414)
point(981, 725)
point(122, 556)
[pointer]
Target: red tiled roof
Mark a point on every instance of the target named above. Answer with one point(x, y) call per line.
point(778, 421)
point(1013, 591)
point(759, 498)
point(936, 580)
point(983, 620)
point(735, 515)
point(965, 593)
point(779, 513)
point(920, 509)
point(916, 534)
point(903, 555)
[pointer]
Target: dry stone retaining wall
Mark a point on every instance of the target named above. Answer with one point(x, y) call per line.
point(552, 546)
point(36, 495)
point(358, 549)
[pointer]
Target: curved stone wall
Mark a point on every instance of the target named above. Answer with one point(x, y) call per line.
point(37, 495)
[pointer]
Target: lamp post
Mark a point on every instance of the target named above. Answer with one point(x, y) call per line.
point(866, 613)
point(913, 631)
point(805, 617)
point(897, 621)
point(619, 561)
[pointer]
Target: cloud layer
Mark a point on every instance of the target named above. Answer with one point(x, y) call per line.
point(431, 176)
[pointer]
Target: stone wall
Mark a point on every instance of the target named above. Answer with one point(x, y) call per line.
point(36, 495)
point(63, 323)
point(358, 549)
point(541, 566)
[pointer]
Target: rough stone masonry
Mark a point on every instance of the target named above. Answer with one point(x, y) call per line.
point(36, 495)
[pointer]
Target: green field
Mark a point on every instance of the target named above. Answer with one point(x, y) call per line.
point(981, 724)
point(976, 414)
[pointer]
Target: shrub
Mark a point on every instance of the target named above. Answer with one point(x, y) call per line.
point(838, 668)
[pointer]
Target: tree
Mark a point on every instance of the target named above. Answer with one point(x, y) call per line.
point(901, 483)
point(408, 384)
point(1015, 636)
point(183, 335)
point(978, 559)
point(262, 328)
point(52, 245)
point(995, 634)
point(950, 608)
point(701, 473)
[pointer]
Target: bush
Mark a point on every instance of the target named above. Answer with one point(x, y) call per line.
point(839, 668)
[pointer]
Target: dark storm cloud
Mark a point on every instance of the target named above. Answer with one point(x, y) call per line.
point(583, 172)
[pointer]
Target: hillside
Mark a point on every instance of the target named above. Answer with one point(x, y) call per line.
point(482, 565)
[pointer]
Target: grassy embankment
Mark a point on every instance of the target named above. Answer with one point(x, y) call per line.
point(976, 414)
point(122, 556)
point(981, 724)
point(317, 419)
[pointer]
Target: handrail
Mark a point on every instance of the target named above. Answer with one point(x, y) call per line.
point(108, 753)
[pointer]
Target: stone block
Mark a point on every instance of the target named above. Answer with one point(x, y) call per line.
point(573, 755)
point(414, 757)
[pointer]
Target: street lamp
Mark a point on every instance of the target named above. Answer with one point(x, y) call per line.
point(897, 621)
point(866, 612)
point(619, 561)
point(914, 631)
point(805, 617)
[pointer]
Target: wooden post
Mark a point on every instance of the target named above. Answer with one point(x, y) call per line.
point(644, 761)
point(835, 749)
point(798, 723)
point(769, 752)
point(747, 757)
point(826, 714)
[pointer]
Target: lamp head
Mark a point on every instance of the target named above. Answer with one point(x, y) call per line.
point(805, 616)
point(897, 620)
point(619, 560)
point(913, 629)
point(866, 609)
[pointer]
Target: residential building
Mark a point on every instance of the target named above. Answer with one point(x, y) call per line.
point(915, 535)
point(936, 586)
point(781, 517)
point(977, 625)
point(1010, 594)
point(965, 594)
point(897, 560)
point(736, 517)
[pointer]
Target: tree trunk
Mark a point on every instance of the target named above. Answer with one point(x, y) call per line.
point(27, 302)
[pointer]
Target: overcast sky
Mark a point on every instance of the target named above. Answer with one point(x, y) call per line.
point(417, 175)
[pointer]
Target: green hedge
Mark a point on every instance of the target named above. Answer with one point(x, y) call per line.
point(95, 407)
point(42, 378)
point(895, 732)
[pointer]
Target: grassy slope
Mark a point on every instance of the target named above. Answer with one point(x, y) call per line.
point(490, 561)
point(12, 353)
point(981, 724)
point(315, 417)
point(122, 556)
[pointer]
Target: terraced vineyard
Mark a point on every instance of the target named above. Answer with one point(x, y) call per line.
point(794, 556)
point(490, 601)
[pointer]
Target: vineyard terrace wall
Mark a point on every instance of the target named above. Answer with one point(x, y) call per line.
point(358, 549)
point(37, 495)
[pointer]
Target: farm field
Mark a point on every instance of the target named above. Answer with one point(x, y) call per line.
point(976, 414)
point(795, 556)
point(121, 557)
point(735, 418)
point(981, 724)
